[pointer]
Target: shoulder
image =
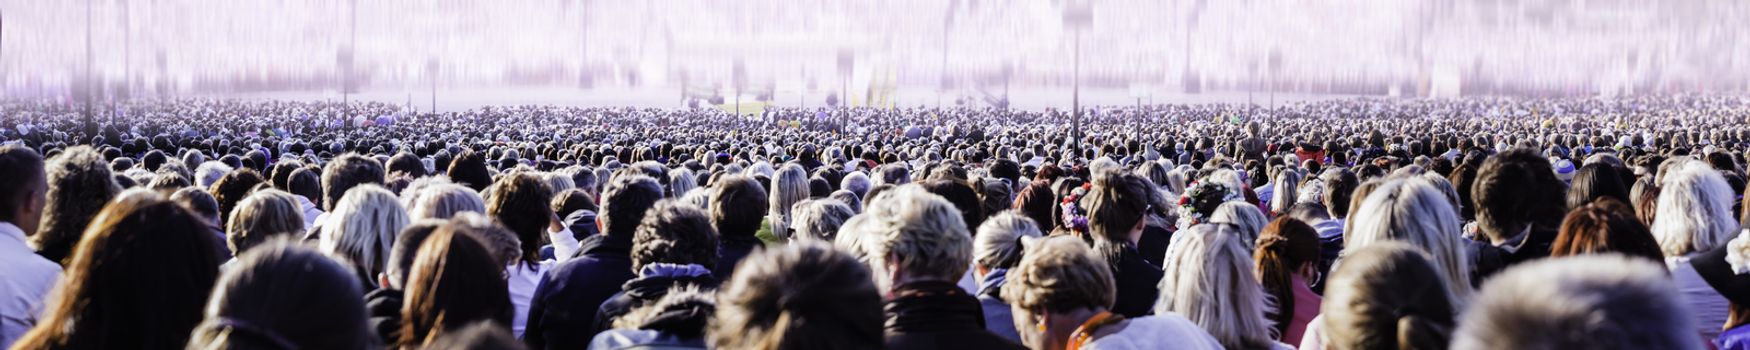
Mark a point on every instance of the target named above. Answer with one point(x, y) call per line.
point(1169, 331)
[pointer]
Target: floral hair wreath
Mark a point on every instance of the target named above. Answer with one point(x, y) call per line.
point(1073, 217)
point(1204, 192)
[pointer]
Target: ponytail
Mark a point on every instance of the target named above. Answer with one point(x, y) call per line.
point(1284, 246)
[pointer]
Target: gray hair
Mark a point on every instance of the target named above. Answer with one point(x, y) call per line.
point(915, 229)
point(1695, 210)
point(819, 218)
point(857, 183)
point(1245, 217)
point(444, 201)
point(999, 241)
point(1413, 211)
point(1583, 302)
point(681, 181)
point(210, 172)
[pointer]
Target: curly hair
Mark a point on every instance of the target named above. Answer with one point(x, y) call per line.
point(80, 184)
point(675, 233)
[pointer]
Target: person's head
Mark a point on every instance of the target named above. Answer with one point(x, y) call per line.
point(849, 199)
point(819, 218)
point(1588, 302)
point(1247, 220)
point(625, 201)
point(362, 228)
point(737, 206)
point(1287, 253)
point(80, 184)
point(856, 182)
point(262, 216)
point(23, 187)
point(1286, 183)
point(1209, 279)
point(305, 183)
point(1037, 202)
point(477, 335)
point(1340, 187)
point(1694, 210)
point(674, 233)
point(209, 172)
point(137, 279)
point(1117, 206)
point(1605, 226)
point(789, 186)
point(681, 181)
point(283, 295)
point(1056, 277)
point(1515, 190)
point(469, 169)
point(405, 249)
point(232, 188)
point(1594, 181)
point(1412, 211)
point(345, 172)
point(803, 295)
point(520, 202)
point(998, 244)
point(571, 201)
point(445, 201)
point(455, 281)
point(1387, 296)
point(406, 164)
point(913, 236)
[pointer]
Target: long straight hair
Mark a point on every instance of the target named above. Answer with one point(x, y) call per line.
point(1210, 281)
point(455, 281)
point(1413, 211)
point(1284, 246)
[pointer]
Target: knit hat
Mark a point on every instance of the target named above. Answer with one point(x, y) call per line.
point(1564, 170)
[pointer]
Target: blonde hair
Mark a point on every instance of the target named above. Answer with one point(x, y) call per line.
point(1285, 190)
point(1413, 211)
point(1210, 281)
point(917, 230)
point(789, 186)
point(1248, 221)
point(362, 228)
point(260, 216)
point(1694, 210)
point(680, 182)
point(1057, 274)
point(444, 201)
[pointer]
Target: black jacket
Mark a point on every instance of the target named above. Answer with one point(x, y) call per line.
point(384, 308)
point(732, 251)
point(562, 311)
point(1153, 244)
point(938, 315)
point(651, 285)
point(1138, 284)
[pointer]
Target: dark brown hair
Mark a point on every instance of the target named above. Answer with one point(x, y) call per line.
point(1284, 246)
point(520, 202)
point(455, 281)
point(1606, 225)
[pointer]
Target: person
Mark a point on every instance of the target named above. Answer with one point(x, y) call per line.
point(479, 335)
point(1724, 269)
point(1583, 302)
point(1212, 283)
point(80, 184)
point(444, 201)
point(674, 248)
point(28, 277)
point(819, 219)
point(1695, 216)
point(1287, 259)
point(1520, 204)
point(1412, 211)
point(1061, 294)
point(384, 303)
point(1330, 233)
point(345, 172)
point(308, 186)
point(282, 295)
point(802, 295)
point(519, 203)
point(264, 215)
point(789, 186)
point(996, 249)
point(455, 281)
point(231, 189)
point(918, 247)
point(361, 230)
point(1385, 295)
point(138, 279)
point(1246, 219)
point(1606, 225)
point(566, 299)
point(1117, 208)
point(1595, 181)
point(736, 206)
point(676, 321)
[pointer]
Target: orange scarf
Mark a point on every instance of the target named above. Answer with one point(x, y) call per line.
point(1085, 332)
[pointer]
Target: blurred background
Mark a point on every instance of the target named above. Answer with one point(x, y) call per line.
point(867, 53)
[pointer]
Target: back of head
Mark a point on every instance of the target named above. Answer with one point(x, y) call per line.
point(262, 216)
point(674, 233)
point(362, 227)
point(1057, 274)
point(819, 218)
point(346, 172)
point(282, 295)
point(479, 335)
point(1595, 181)
point(998, 244)
point(79, 186)
point(1605, 226)
point(1209, 280)
point(446, 201)
point(455, 281)
point(520, 202)
point(1387, 296)
point(803, 295)
point(305, 183)
point(138, 278)
point(918, 233)
point(737, 206)
point(1285, 247)
point(624, 202)
point(21, 183)
point(406, 248)
point(469, 169)
point(1116, 204)
point(1247, 220)
point(964, 197)
point(1412, 211)
point(1586, 302)
point(232, 188)
point(1694, 209)
point(1515, 190)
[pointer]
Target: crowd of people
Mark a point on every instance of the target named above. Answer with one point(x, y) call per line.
point(1483, 223)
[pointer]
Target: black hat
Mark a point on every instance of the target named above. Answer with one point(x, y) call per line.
point(1713, 268)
